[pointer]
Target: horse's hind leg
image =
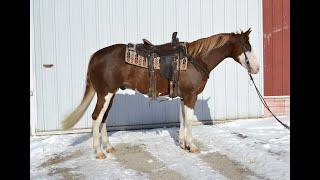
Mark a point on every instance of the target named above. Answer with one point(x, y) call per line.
point(97, 116)
point(105, 138)
point(104, 133)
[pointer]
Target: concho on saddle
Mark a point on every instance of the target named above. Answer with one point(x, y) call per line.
point(169, 58)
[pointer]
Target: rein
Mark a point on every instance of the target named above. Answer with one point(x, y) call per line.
point(259, 94)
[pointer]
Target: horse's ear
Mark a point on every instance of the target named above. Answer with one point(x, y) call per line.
point(248, 31)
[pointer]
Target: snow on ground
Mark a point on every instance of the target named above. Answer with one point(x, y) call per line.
point(241, 149)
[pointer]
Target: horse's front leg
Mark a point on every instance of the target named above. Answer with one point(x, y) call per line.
point(189, 104)
point(182, 140)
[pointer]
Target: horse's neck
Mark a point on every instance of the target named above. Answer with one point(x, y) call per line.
point(216, 56)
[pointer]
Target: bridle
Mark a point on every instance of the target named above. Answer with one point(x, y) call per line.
point(258, 92)
point(245, 56)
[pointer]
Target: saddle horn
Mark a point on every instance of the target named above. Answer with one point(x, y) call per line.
point(174, 40)
point(174, 35)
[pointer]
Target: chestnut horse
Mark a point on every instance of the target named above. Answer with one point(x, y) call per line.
point(107, 72)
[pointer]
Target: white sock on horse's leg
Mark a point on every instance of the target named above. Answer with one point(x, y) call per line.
point(105, 138)
point(96, 138)
point(189, 116)
point(188, 120)
point(96, 125)
point(182, 126)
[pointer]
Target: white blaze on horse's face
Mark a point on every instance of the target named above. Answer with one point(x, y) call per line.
point(253, 62)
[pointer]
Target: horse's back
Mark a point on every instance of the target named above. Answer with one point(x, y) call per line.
point(109, 51)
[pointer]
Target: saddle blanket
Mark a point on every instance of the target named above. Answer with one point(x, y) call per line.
point(135, 59)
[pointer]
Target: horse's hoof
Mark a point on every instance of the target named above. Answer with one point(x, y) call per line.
point(182, 145)
point(110, 149)
point(195, 150)
point(100, 155)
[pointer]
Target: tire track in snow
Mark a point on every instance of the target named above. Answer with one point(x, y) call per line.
point(187, 164)
point(242, 150)
point(135, 157)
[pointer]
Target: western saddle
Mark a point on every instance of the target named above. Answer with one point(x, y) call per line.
point(170, 55)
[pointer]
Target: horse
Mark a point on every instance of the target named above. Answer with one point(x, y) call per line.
point(107, 73)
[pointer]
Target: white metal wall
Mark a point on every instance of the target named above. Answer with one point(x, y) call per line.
point(67, 33)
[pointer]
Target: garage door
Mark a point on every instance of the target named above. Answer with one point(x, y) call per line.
point(66, 33)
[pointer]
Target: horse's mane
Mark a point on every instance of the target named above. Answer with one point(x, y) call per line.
point(205, 45)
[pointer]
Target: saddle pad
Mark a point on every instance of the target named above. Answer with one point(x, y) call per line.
point(133, 58)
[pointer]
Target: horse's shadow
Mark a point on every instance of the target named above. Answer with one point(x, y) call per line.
point(201, 110)
point(85, 137)
point(137, 109)
point(126, 111)
point(145, 112)
point(81, 139)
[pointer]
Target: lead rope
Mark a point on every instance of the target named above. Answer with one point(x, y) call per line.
point(259, 94)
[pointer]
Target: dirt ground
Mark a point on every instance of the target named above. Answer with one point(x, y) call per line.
point(66, 173)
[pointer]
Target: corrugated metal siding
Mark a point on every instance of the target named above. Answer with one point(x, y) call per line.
point(276, 30)
point(67, 33)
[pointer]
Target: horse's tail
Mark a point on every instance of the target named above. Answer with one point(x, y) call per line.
point(75, 116)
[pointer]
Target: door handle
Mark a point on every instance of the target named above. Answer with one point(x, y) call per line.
point(47, 65)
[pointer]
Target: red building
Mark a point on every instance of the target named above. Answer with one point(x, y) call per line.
point(276, 36)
